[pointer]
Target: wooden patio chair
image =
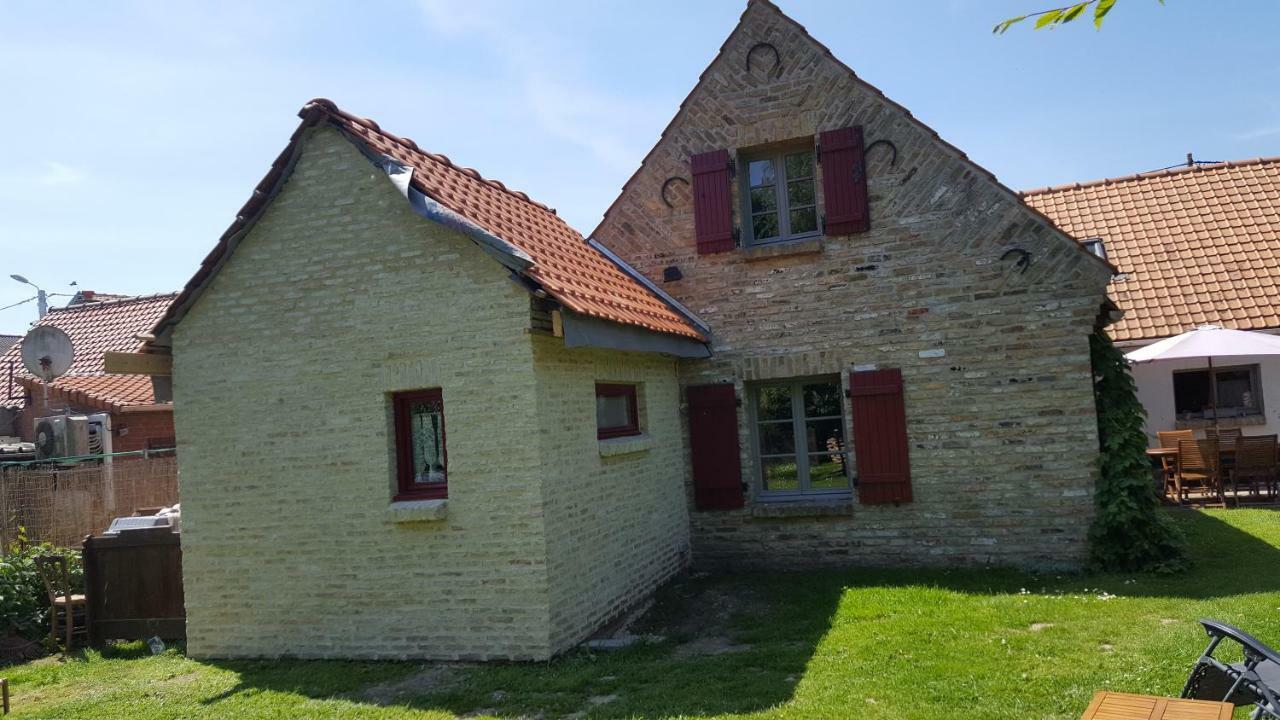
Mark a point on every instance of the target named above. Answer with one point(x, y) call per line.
point(1199, 464)
point(67, 611)
point(1169, 463)
point(1256, 464)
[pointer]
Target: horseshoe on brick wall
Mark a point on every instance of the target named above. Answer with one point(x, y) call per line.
point(1024, 258)
point(777, 58)
point(667, 184)
point(893, 161)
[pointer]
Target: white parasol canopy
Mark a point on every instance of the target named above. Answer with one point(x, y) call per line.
point(1208, 341)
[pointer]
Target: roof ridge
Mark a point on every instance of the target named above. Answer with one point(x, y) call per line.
point(1166, 172)
point(117, 301)
point(332, 108)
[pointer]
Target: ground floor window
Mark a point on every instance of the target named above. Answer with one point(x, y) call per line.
point(617, 410)
point(421, 461)
point(1239, 391)
point(799, 437)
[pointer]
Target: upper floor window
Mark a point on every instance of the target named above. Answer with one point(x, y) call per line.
point(779, 197)
point(799, 437)
point(421, 462)
point(617, 411)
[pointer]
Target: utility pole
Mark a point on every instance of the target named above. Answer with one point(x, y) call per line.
point(42, 298)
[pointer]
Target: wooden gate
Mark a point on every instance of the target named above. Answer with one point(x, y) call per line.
point(133, 584)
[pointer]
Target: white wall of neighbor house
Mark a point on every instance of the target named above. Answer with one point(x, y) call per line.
point(1155, 383)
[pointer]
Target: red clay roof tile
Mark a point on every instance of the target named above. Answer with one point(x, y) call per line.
point(1197, 244)
point(94, 328)
point(577, 275)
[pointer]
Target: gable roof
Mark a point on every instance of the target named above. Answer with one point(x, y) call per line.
point(873, 90)
point(1195, 245)
point(564, 265)
point(94, 328)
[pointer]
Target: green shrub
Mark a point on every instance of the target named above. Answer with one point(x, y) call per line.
point(24, 603)
point(1129, 531)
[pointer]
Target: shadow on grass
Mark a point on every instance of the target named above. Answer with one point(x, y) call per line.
point(741, 643)
point(716, 645)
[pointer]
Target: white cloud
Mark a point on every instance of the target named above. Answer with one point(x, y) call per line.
point(561, 103)
point(56, 174)
point(1258, 133)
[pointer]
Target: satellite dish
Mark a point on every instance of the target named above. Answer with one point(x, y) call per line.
point(47, 352)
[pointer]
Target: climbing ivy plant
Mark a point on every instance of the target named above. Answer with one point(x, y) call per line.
point(1129, 531)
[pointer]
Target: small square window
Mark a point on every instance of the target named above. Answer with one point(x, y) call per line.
point(422, 465)
point(617, 414)
point(779, 197)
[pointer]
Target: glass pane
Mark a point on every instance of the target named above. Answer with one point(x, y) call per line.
point(763, 200)
point(824, 435)
point(800, 193)
point(765, 226)
point(777, 438)
point(1235, 389)
point(822, 399)
point(780, 474)
point(1190, 392)
point(826, 472)
point(427, 422)
point(773, 403)
point(804, 221)
point(800, 165)
point(613, 411)
point(761, 172)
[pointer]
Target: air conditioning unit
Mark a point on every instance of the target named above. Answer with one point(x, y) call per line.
point(59, 436)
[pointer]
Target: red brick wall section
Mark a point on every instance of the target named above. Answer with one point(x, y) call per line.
point(153, 428)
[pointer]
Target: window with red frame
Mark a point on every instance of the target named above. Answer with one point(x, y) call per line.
point(422, 465)
point(616, 411)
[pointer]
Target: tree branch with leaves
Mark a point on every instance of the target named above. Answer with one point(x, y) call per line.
point(1062, 15)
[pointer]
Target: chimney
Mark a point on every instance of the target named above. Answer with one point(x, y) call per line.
point(87, 295)
point(1191, 162)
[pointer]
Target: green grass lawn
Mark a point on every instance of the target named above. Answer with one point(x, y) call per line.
point(856, 644)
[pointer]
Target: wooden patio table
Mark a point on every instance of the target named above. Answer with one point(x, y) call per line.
point(1123, 706)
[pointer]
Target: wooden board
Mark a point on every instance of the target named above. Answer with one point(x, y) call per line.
point(1124, 706)
point(137, 363)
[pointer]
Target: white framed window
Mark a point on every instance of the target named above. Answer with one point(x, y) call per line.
point(779, 196)
point(798, 431)
point(1239, 392)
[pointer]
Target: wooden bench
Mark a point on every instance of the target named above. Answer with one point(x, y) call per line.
point(1123, 706)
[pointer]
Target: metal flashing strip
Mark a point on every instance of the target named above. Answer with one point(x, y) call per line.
point(504, 252)
point(649, 284)
point(584, 331)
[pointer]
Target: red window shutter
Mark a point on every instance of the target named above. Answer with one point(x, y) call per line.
point(712, 202)
point(713, 442)
point(844, 181)
point(880, 437)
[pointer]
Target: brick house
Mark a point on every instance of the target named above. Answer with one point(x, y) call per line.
point(1194, 245)
point(808, 332)
point(97, 324)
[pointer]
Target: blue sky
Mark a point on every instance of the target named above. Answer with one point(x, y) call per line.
point(133, 130)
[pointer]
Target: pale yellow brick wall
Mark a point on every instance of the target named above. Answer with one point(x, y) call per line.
point(617, 525)
point(337, 296)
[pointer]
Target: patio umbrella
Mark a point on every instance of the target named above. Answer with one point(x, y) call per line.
point(1209, 342)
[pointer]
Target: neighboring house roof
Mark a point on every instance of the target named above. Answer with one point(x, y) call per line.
point(110, 392)
point(577, 275)
point(8, 341)
point(94, 328)
point(1195, 245)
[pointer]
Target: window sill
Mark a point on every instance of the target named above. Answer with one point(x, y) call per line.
point(625, 445)
point(410, 511)
point(841, 506)
point(1226, 422)
point(808, 246)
